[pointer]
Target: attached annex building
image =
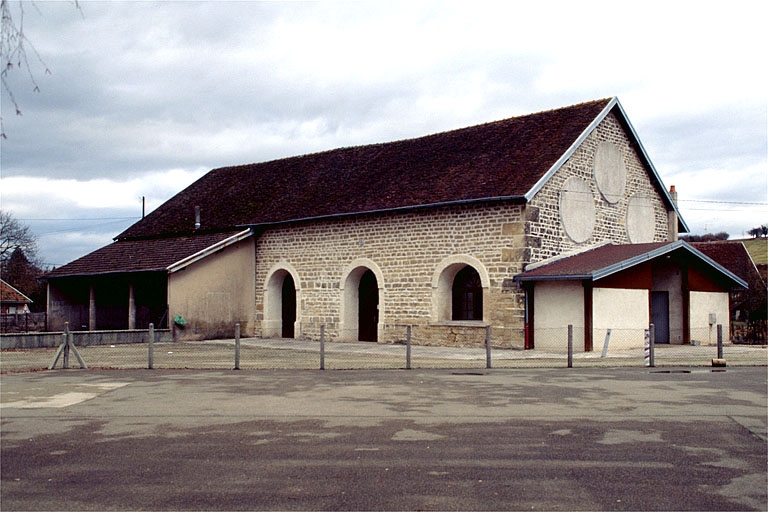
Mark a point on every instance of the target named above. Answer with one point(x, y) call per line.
point(437, 232)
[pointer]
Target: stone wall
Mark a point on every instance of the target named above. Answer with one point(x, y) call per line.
point(546, 234)
point(612, 198)
point(407, 250)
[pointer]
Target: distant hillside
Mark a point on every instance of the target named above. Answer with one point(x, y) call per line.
point(758, 249)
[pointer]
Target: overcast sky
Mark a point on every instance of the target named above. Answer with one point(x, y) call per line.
point(145, 97)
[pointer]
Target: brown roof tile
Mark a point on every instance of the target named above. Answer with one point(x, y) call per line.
point(11, 295)
point(586, 264)
point(138, 255)
point(499, 159)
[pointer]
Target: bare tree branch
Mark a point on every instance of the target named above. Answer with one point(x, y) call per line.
point(16, 49)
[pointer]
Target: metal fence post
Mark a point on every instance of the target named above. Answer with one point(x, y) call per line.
point(237, 346)
point(66, 346)
point(151, 347)
point(322, 347)
point(605, 344)
point(719, 341)
point(570, 346)
point(487, 346)
point(408, 347)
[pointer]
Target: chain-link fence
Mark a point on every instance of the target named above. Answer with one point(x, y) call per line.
point(476, 350)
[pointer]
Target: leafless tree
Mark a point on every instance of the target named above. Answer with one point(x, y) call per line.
point(16, 50)
point(15, 235)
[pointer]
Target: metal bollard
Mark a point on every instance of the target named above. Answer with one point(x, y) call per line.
point(652, 342)
point(237, 346)
point(487, 346)
point(570, 346)
point(151, 347)
point(322, 347)
point(720, 341)
point(408, 347)
point(67, 344)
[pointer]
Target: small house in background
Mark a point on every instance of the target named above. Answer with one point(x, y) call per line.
point(12, 301)
point(429, 232)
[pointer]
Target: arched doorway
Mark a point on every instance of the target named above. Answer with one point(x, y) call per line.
point(282, 298)
point(288, 300)
point(368, 307)
point(467, 303)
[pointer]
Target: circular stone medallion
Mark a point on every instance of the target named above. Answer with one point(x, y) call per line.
point(610, 172)
point(641, 220)
point(577, 209)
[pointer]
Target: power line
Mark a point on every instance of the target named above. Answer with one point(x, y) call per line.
point(79, 220)
point(712, 201)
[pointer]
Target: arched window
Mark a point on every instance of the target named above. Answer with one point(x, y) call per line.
point(467, 295)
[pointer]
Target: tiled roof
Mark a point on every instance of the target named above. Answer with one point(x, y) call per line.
point(155, 254)
point(730, 254)
point(586, 264)
point(607, 260)
point(502, 159)
point(11, 295)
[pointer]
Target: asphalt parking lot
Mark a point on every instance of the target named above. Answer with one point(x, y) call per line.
point(501, 439)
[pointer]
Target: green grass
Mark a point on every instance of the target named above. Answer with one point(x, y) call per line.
point(758, 250)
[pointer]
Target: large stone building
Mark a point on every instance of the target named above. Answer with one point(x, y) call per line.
point(434, 232)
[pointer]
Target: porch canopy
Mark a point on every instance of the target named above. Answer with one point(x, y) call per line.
point(562, 290)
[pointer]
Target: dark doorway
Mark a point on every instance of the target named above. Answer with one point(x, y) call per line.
point(289, 306)
point(368, 307)
point(660, 316)
point(467, 295)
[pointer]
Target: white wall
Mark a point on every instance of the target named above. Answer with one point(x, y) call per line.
point(558, 304)
point(701, 305)
point(626, 312)
point(215, 293)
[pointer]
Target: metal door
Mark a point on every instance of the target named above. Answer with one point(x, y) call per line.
point(660, 315)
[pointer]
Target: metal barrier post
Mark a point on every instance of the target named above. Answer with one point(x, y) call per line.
point(237, 346)
point(652, 344)
point(151, 347)
point(66, 346)
point(605, 344)
point(322, 347)
point(570, 346)
point(719, 341)
point(408, 347)
point(487, 346)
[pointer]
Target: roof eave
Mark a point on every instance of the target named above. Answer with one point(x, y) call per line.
point(571, 150)
point(642, 258)
point(400, 209)
point(572, 277)
point(199, 255)
point(613, 103)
